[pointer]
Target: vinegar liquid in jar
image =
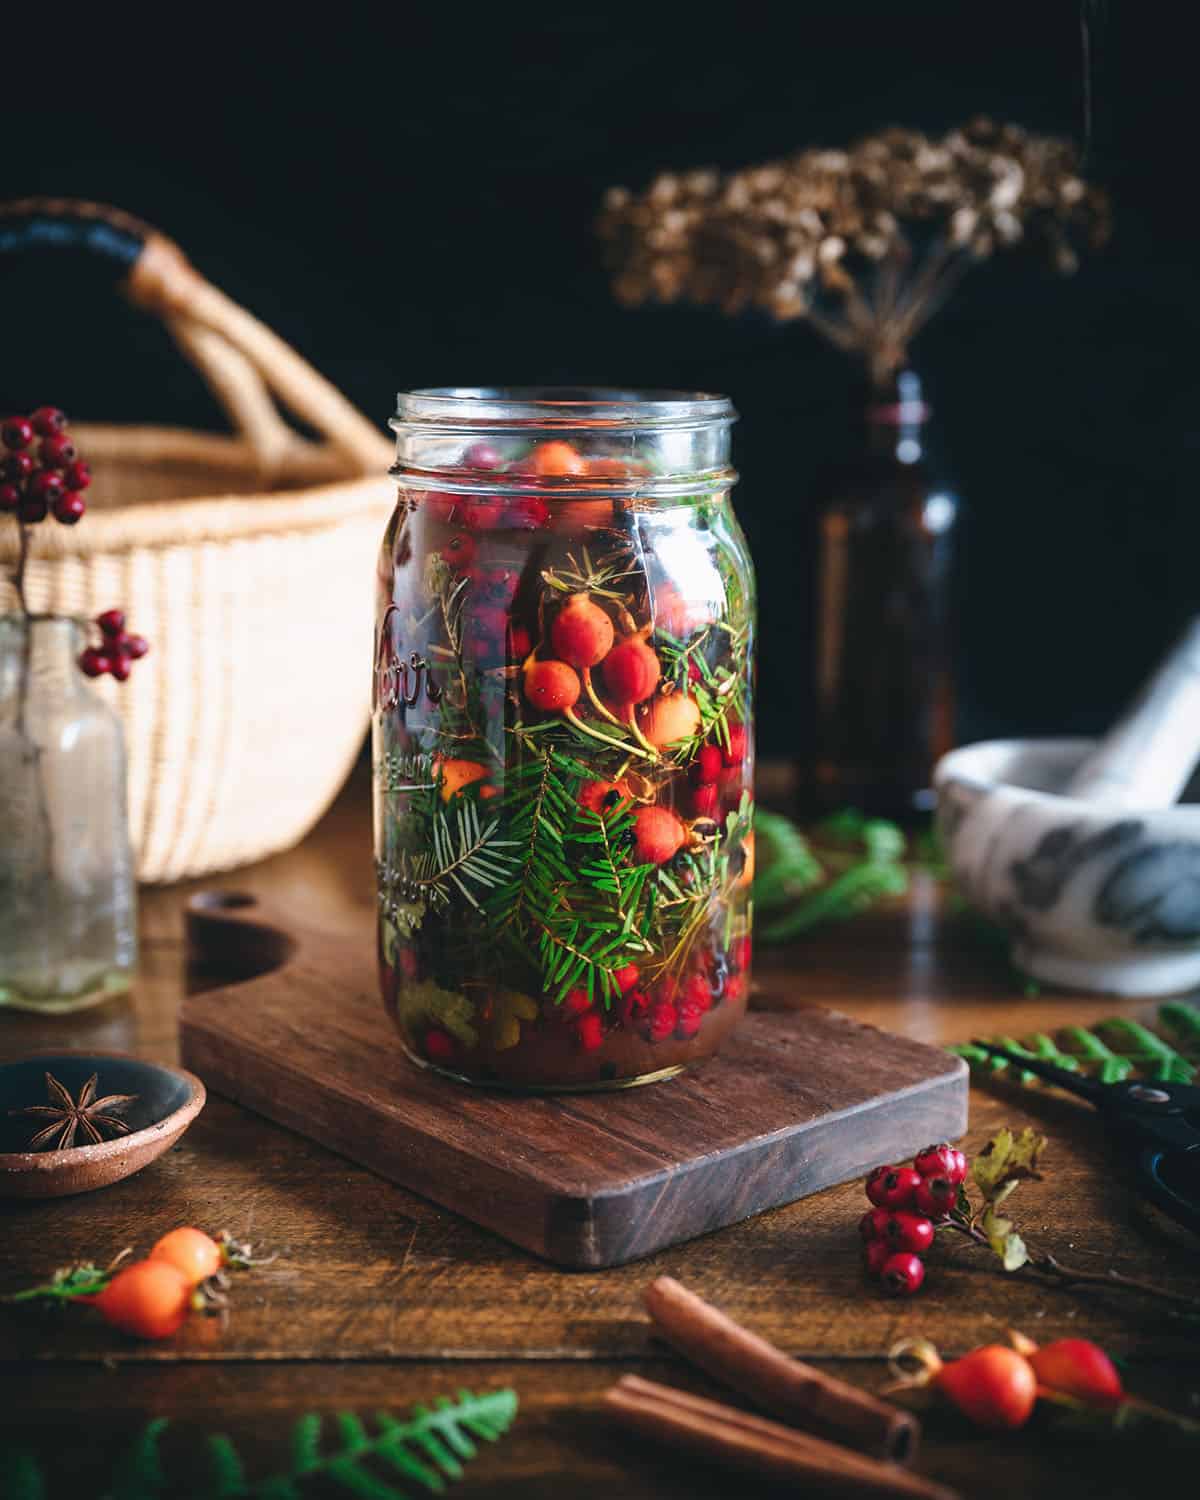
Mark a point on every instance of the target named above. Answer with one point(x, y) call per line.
point(563, 736)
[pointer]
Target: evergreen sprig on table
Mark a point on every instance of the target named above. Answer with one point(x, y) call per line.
point(432, 1446)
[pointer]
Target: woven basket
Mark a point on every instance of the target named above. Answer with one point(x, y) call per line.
point(247, 561)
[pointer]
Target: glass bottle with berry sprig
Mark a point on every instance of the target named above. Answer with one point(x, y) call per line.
point(68, 933)
point(563, 736)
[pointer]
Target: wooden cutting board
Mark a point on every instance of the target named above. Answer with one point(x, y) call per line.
point(797, 1101)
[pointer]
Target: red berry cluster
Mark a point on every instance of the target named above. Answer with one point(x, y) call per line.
point(51, 478)
point(117, 648)
point(908, 1201)
point(668, 1008)
point(714, 767)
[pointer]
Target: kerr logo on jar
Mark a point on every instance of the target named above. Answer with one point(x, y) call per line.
point(400, 680)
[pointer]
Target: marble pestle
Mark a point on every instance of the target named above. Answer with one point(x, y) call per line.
point(1147, 757)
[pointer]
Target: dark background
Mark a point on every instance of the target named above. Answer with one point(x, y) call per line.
point(410, 202)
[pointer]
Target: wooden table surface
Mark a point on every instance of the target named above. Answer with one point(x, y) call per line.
point(379, 1299)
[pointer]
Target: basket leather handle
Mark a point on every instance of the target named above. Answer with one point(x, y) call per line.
point(242, 360)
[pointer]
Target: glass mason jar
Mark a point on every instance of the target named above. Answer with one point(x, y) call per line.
point(563, 749)
point(68, 912)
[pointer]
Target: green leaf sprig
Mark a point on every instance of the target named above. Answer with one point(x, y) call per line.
point(432, 1446)
point(997, 1171)
point(1004, 1163)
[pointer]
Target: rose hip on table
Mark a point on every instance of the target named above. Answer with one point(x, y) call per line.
point(575, 909)
point(997, 1386)
point(151, 1298)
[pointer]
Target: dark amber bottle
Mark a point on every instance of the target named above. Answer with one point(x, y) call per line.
point(884, 667)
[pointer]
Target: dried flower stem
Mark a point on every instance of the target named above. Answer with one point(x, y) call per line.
point(1047, 1265)
point(866, 242)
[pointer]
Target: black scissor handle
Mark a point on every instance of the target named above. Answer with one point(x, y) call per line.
point(1183, 1209)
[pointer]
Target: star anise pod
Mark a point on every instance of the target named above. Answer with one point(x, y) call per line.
point(87, 1114)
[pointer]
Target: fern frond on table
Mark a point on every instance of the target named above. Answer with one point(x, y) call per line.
point(1110, 1051)
point(431, 1447)
point(849, 864)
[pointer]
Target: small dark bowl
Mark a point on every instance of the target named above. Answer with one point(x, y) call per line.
point(169, 1099)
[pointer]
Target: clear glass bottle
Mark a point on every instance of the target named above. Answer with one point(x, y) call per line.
point(885, 695)
point(563, 751)
point(68, 910)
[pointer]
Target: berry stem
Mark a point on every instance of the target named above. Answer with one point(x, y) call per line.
point(1046, 1264)
point(632, 725)
point(572, 718)
point(61, 1292)
point(33, 749)
point(594, 698)
point(24, 532)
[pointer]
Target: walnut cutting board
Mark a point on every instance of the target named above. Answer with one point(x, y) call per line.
point(797, 1101)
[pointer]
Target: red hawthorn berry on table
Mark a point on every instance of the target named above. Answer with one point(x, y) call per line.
point(902, 1273)
point(893, 1187)
point(942, 1160)
point(908, 1232)
point(935, 1197)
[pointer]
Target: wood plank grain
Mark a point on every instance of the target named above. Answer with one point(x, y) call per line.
point(366, 1270)
point(379, 1297)
point(562, 1443)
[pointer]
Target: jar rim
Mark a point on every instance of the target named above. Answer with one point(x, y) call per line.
point(606, 407)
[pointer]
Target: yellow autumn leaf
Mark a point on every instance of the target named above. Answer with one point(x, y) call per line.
point(1007, 1158)
point(1004, 1239)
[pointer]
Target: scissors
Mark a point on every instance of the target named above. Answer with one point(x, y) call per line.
point(1158, 1124)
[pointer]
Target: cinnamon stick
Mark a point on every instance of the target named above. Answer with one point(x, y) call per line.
point(793, 1391)
point(709, 1429)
